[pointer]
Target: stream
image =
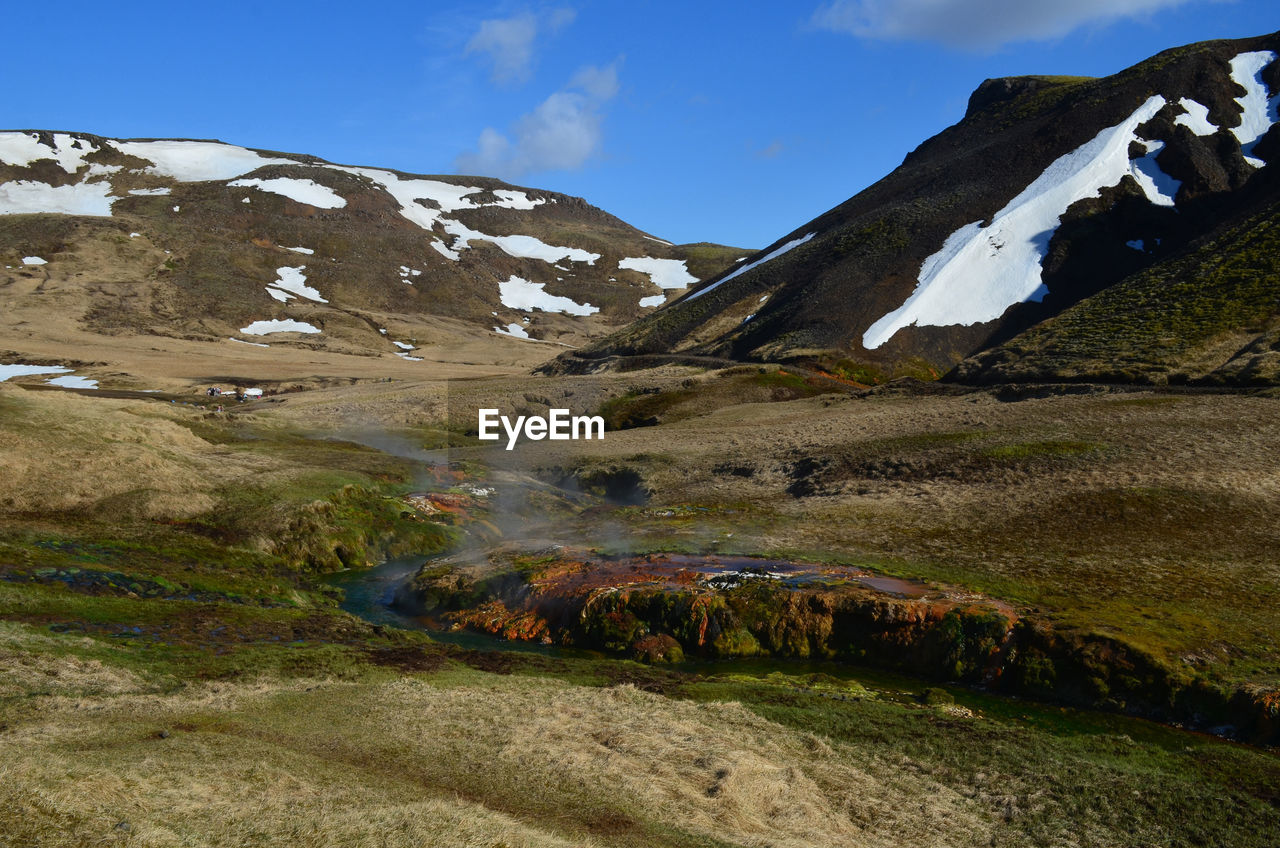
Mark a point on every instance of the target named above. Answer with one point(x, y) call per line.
point(369, 593)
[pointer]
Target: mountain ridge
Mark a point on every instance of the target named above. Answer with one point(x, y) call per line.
point(208, 241)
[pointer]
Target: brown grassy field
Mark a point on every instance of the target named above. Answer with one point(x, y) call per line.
point(206, 689)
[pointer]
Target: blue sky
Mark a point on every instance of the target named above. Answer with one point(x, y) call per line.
point(733, 122)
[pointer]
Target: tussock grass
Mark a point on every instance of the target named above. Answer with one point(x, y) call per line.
point(559, 753)
point(463, 758)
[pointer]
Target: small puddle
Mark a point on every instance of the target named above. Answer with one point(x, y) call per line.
point(894, 586)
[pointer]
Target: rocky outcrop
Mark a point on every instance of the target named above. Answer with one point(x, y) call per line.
point(664, 608)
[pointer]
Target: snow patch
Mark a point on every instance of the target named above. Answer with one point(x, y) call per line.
point(444, 250)
point(242, 341)
point(1257, 113)
point(403, 346)
point(262, 328)
point(306, 250)
point(26, 197)
point(521, 247)
point(309, 192)
point(409, 358)
point(981, 271)
point(283, 297)
point(196, 161)
point(292, 280)
point(1159, 187)
point(1136, 244)
point(446, 196)
point(653, 300)
point(34, 260)
point(514, 330)
point(1195, 117)
point(150, 192)
point(17, 369)
point(508, 199)
point(773, 254)
point(517, 293)
point(664, 273)
point(659, 241)
point(72, 381)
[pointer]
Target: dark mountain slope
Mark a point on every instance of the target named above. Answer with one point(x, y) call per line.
point(1210, 315)
point(1038, 199)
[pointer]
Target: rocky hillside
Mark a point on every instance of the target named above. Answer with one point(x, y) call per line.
point(207, 241)
point(1050, 191)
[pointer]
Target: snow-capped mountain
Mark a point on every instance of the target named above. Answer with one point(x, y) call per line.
point(1049, 191)
point(209, 241)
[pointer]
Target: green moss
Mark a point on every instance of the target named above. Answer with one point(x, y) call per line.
point(881, 237)
point(1150, 326)
point(640, 408)
point(1035, 450)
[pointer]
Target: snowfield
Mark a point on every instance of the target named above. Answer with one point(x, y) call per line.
point(309, 192)
point(196, 161)
point(517, 293)
point(25, 197)
point(664, 273)
point(982, 271)
point(21, 149)
point(263, 328)
point(1257, 113)
point(773, 254)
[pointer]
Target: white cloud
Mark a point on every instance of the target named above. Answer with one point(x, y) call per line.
point(509, 42)
point(975, 24)
point(562, 134)
point(600, 84)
